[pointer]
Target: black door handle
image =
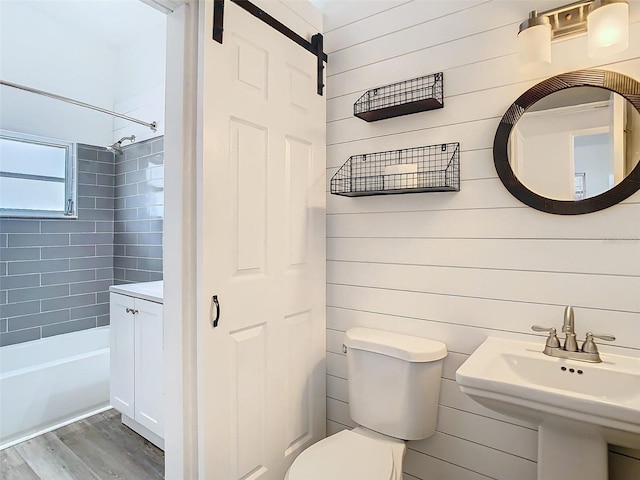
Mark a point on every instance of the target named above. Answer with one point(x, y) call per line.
point(217, 304)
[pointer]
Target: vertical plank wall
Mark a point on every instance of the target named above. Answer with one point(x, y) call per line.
point(458, 267)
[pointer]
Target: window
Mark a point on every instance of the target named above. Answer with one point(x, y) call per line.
point(580, 186)
point(37, 176)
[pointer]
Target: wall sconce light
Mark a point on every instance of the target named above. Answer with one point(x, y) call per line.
point(605, 21)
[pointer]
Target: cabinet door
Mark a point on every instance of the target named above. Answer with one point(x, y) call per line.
point(149, 404)
point(122, 354)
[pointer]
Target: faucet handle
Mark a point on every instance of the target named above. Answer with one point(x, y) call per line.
point(589, 346)
point(540, 328)
point(602, 336)
point(552, 339)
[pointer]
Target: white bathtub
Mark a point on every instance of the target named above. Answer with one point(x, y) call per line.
point(51, 382)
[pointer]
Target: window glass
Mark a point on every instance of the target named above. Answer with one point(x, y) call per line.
point(44, 196)
point(37, 176)
point(19, 156)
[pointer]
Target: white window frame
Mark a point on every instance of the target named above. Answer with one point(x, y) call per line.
point(70, 181)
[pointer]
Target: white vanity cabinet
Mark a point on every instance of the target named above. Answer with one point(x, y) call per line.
point(137, 361)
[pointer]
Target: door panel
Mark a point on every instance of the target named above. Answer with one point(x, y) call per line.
point(300, 83)
point(248, 397)
point(298, 156)
point(299, 425)
point(253, 65)
point(122, 355)
point(149, 404)
point(248, 182)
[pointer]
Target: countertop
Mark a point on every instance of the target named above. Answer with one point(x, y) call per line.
point(152, 291)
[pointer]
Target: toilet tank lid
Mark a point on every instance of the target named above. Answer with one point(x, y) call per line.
point(404, 347)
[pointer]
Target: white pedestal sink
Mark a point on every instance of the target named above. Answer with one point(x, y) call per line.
point(579, 407)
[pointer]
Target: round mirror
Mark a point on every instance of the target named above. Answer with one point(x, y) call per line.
point(571, 144)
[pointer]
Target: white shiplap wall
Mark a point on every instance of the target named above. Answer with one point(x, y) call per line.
point(458, 267)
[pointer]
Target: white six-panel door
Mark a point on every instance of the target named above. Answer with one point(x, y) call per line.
point(261, 209)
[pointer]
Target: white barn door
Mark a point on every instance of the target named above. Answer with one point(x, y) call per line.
point(261, 245)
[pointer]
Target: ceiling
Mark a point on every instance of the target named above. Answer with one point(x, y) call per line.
point(114, 22)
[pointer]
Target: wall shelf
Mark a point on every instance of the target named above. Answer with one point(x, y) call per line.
point(402, 98)
point(434, 168)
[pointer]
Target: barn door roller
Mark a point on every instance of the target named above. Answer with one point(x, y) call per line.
point(315, 46)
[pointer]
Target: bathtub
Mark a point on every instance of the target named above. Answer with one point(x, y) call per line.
point(51, 382)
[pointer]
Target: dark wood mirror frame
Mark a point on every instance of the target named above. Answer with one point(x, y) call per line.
point(616, 82)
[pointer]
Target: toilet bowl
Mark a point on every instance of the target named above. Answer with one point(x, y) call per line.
point(358, 454)
point(394, 386)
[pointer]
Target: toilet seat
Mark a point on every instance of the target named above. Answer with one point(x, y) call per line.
point(347, 455)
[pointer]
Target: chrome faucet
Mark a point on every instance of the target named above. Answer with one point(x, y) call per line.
point(588, 352)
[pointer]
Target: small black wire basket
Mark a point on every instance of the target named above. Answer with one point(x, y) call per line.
point(402, 98)
point(435, 168)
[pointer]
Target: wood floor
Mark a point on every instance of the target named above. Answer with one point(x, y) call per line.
point(96, 448)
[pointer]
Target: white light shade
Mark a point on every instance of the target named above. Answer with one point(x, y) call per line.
point(608, 29)
point(534, 47)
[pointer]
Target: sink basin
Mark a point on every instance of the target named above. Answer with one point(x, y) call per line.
point(579, 407)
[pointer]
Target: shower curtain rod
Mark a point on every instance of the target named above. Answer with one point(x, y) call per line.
point(153, 125)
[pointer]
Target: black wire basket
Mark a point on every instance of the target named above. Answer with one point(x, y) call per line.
point(435, 168)
point(402, 98)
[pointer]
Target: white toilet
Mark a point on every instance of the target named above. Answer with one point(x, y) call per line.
point(394, 385)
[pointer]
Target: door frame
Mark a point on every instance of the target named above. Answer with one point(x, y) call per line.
point(180, 314)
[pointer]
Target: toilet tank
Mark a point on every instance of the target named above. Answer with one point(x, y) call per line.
point(394, 382)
